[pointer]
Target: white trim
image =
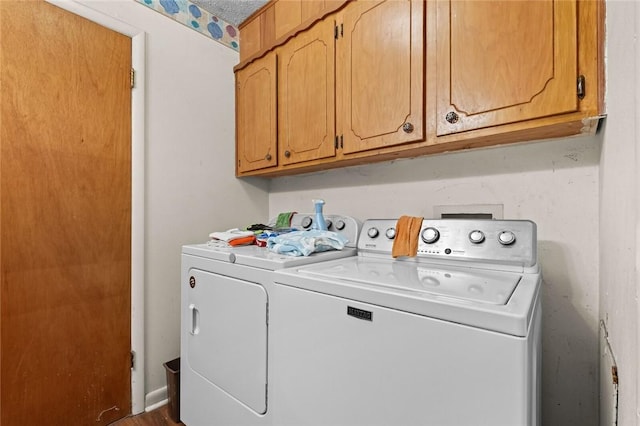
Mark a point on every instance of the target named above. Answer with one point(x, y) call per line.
point(138, 38)
point(636, 182)
point(138, 137)
point(156, 398)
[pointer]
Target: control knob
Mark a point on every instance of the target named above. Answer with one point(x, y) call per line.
point(340, 225)
point(390, 233)
point(306, 222)
point(430, 235)
point(373, 232)
point(329, 223)
point(476, 236)
point(506, 238)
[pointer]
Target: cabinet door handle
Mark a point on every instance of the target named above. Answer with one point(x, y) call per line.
point(268, 157)
point(407, 127)
point(287, 154)
point(452, 117)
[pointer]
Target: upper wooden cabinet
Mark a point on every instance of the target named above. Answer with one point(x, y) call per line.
point(373, 80)
point(278, 20)
point(380, 71)
point(306, 95)
point(501, 62)
point(256, 115)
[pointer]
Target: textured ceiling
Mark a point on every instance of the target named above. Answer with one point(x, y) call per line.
point(231, 11)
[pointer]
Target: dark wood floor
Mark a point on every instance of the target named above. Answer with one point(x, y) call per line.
point(157, 417)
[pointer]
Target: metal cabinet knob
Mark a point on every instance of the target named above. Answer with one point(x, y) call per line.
point(268, 157)
point(407, 127)
point(287, 154)
point(452, 117)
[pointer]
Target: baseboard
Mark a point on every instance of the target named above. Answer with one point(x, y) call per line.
point(155, 399)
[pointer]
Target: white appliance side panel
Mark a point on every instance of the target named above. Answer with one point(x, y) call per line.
point(226, 333)
point(397, 369)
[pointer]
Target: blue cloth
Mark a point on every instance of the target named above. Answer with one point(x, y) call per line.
point(303, 243)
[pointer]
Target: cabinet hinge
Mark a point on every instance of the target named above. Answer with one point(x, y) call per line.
point(581, 86)
point(132, 76)
point(133, 360)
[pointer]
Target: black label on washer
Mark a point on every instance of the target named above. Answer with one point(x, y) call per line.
point(359, 313)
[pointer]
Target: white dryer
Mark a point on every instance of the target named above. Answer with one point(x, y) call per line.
point(225, 374)
point(448, 338)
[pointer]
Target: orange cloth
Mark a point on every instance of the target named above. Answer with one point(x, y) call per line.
point(407, 233)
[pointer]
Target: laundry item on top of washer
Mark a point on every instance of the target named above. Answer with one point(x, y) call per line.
point(259, 227)
point(303, 243)
point(405, 242)
point(284, 219)
point(234, 237)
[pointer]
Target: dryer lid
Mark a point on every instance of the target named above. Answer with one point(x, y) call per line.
point(472, 285)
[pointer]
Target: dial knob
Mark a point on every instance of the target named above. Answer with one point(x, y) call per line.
point(476, 236)
point(329, 223)
point(340, 224)
point(306, 222)
point(390, 233)
point(373, 232)
point(430, 235)
point(506, 238)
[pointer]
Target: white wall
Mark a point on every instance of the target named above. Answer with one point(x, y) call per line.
point(190, 149)
point(552, 183)
point(619, 204)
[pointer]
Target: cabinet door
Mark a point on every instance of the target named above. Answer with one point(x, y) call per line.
point(381, 74)
point(256, 115)
point(504, 61)
point(288, 16)
point(306, 95)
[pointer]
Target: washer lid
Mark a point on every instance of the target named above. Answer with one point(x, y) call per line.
point(472, 285)
point(493, 300)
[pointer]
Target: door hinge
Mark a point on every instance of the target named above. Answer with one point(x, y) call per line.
point(132, 76)
point(338, 143)
point(581, 86)
point(133, 360)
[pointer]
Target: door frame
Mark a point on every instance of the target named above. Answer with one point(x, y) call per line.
point(138, 134)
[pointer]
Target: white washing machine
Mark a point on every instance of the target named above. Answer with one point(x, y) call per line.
point(225, 373)
point(450, 337)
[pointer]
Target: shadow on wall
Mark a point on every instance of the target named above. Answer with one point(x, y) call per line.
point(526, 157)
point(569, 345)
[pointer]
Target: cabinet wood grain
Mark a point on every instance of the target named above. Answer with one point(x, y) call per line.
point(256, 115)
point(500, 62)
point(306, 95)
point(381, 74)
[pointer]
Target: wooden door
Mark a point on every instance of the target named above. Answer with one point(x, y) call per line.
point(504, 61)
point(380, 70)
point(65, 227)
point(306, 95)
point(256, 115)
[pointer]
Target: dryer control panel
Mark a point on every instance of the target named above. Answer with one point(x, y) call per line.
point(346, 226)
point(501, 242)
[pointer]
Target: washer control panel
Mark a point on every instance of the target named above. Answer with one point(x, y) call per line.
point(481, 240)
